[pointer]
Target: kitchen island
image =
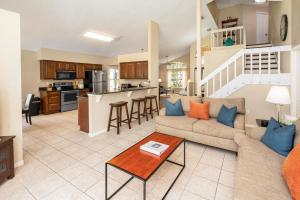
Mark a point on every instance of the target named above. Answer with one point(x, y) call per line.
point(98, 106)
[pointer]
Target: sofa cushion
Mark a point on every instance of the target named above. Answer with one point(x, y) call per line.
point(279, 138)
point(213, 128)
point(199, 110)
point(290, 171)
point(178, 122)
point(174, 109)
point(227, 116)
point(258, 172)
point(185, 100)
point(216, 104)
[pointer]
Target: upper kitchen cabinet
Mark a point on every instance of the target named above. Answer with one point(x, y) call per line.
point(92, 67)
point(141, 69)
point(66, 66)
point(80, 72)
point(48, 69)
point(134, 70)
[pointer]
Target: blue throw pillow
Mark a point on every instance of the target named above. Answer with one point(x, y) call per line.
point(227, 116)
point(174, 109)
point(279, 138)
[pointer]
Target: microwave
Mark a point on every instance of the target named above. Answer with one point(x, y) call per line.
point(65, 75)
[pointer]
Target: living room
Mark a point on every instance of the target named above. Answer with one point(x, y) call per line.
point(187, 100)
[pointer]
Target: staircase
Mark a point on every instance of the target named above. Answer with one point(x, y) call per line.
point(251, 65)
point(256, 59)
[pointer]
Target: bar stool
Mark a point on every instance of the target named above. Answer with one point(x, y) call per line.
point(118, 106)
point(150, 99)
point(138, 112)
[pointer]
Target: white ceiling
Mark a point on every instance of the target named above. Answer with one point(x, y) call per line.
point(228, 3)
point(60, 24)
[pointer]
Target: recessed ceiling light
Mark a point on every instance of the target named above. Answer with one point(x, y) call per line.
point(260, 1)
point(98, 36)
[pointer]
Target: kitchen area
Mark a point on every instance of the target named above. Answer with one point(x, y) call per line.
point(91, 90)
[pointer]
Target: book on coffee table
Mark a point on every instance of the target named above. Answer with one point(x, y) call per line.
point(156, 148)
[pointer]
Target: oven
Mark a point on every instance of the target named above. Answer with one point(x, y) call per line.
point(69, 100)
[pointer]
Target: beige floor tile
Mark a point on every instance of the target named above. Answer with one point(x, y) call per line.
point(45, 187)
point(224, 193)
point(93, 159)
point(202, 187)
point(190, 196)
point(87, 179)
point(73, 171)
point(65, 192)
point(229, 163)
point(213, 157)
point(207, 171)
point(61, 163)
point(227, 178)
point(97, 192)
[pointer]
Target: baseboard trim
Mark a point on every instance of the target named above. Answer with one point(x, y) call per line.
point(97, 133)
point(19, 163)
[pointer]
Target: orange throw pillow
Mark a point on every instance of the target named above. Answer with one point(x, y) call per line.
point(290, 171)
point(199, 110)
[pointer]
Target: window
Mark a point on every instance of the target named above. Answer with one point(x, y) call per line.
point(177, 75)
point(113, 78)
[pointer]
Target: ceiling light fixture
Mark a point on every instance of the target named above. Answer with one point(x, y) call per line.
point(98, 36)
point(260, 1)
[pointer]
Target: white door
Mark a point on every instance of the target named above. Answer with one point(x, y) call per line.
point(262, 27)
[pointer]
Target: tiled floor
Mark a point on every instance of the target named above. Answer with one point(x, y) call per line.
point(62, 163)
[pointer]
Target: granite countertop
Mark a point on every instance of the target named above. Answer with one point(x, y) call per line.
point(124, 90)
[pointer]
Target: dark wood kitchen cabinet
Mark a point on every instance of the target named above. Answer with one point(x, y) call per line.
point(141, 69)
point(48, 69)
point(134, 70)
point(50, 101)
point(6, 158)
point(88, 67)
point(80, 72)
point(66, 66)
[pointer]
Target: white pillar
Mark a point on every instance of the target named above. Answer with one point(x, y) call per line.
point(199, 45)
point(193, 65)
point(10, 81)
point(295, 94)
point(153, 50)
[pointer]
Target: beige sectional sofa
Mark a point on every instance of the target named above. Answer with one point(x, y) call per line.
point(208, 132)
point(258, 171)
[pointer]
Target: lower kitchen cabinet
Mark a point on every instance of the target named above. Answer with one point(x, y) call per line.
point(50, 101)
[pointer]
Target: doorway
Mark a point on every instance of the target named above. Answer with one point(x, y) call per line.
point(262, 28)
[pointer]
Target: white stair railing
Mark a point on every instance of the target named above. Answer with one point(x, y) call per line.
point(219, 36)
point(235, 66)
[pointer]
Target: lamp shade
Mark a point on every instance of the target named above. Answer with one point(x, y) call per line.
point(279, 95)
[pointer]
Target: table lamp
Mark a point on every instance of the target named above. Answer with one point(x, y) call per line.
point(279, 95)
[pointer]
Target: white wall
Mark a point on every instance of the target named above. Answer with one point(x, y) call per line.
point(10, 81)
point(133, 57)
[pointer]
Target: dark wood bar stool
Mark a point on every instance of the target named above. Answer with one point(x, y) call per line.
point(151, 109)
point(118, 106)
point(139, 101)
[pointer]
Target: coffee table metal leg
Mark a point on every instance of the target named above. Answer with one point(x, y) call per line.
point(144, 190)
point(183, 153)
point(105, 181)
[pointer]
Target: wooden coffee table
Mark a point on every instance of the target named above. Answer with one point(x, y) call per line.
point(142, 165)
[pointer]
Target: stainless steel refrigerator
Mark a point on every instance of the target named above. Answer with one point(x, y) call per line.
point(96, 81)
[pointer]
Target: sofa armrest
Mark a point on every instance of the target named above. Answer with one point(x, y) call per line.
point(256, 133)
point(162, 112)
